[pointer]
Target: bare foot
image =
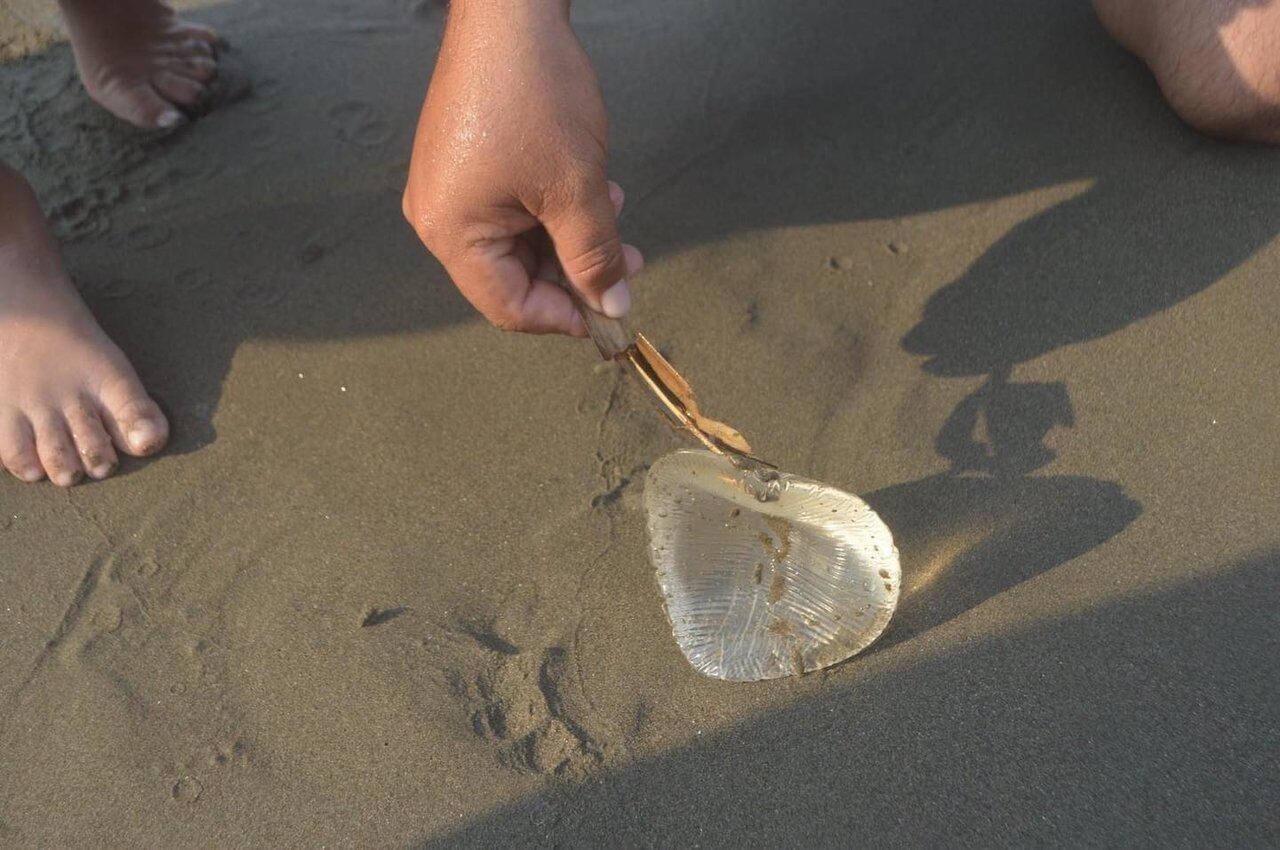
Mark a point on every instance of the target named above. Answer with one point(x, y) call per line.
point(139, 60)
point(68, 397)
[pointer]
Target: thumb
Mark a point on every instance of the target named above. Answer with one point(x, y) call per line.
point(584, 234)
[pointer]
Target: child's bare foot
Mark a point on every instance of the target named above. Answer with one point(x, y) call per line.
point(140, 61)
point(68, 397)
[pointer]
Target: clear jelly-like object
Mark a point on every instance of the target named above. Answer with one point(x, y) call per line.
point(762, 589)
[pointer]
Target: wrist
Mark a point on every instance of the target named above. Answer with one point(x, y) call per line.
point(536, 8)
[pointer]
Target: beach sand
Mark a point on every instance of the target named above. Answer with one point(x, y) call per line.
point(389, 586)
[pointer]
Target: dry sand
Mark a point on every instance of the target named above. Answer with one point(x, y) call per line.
point(390, 585)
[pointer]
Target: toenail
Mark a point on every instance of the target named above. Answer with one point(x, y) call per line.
point(67, 479)
point(144, 435)
point(35, 473)
point(169, 118)
point(102, 470)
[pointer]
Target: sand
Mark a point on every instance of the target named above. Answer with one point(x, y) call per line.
point(389, 586)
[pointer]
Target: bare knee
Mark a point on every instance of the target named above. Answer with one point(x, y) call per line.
point(1216, 61)
point(1232, 92)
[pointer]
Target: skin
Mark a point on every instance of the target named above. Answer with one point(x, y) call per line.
point(140, 61)
point(1216, 61)
point(507, 186)
point(70, 402)
point(508, 169)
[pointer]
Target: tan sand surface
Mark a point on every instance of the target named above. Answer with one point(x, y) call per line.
point(389, 587)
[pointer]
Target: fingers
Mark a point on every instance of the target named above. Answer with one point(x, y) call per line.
point(617, 197)
point(633, 260)
point(515, 282)
point(584, 232)
point(497, 284)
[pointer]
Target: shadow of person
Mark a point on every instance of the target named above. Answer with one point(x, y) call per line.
point(1015, 419)
point(986, 525)
point(964, 539)
point(830, 112)
point(1081, 270)
point(1140, 718)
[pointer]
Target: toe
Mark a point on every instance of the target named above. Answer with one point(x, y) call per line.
point(140, 105)
point(178, 89)
point(56, 450)
point(18, 447)
point(194, 38)
point(198, 68)
point(97, 454)
point(134, 421)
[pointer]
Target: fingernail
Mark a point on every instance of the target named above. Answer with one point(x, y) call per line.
point(169, 118)
point(616, 300)
point(143, 435)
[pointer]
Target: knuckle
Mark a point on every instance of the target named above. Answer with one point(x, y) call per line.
point(79, 413)
point(596, 259)
point(137, 408)
point(94, 448)
point(20, 462)
point(408, 207)
point(580, 185)
point(59, 459)
point(20, 455)
point(426, 223)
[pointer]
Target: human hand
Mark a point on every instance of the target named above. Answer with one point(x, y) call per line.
point(508, 169)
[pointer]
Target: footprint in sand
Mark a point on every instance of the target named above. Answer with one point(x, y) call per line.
point(10, 128)
point(262, 139)
point(233, 752)
point(85, 214)
point(522, 696)
point(186, 790)
point(376, 616)
point(254, 293)
point(359, 123)
point(318, 246)
point(107, 618)
point(265, 97)
point(520, 702)
point(193, 280)
point(118, 288)
point(150, 235)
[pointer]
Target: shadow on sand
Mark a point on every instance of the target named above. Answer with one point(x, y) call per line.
point(856, 111)
point(965, 539)
point(1107, 726)
point(1145, 719)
